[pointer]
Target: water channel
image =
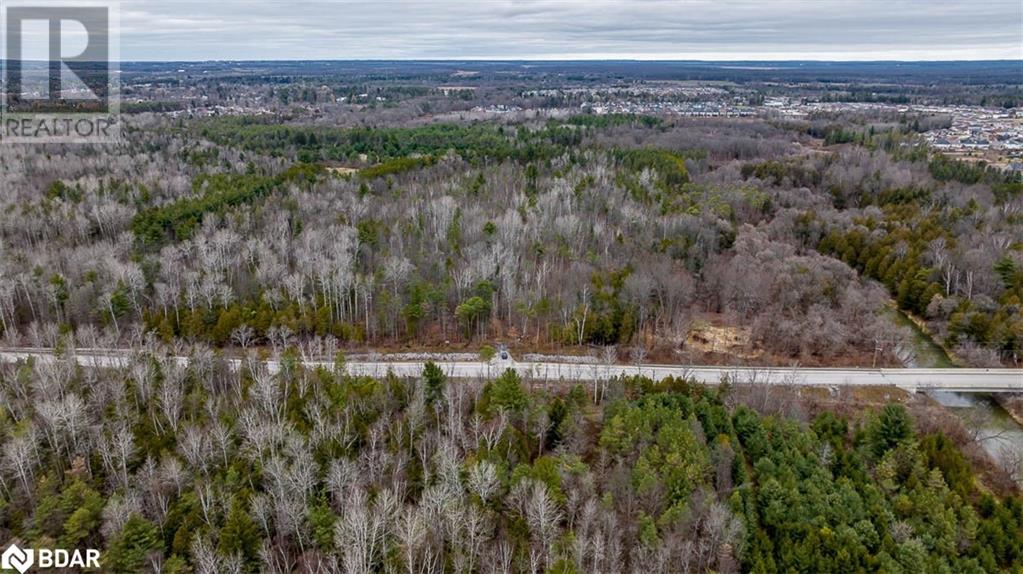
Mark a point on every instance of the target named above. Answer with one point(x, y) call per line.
point(996, 431)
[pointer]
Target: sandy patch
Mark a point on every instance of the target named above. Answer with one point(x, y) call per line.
point(708, 338)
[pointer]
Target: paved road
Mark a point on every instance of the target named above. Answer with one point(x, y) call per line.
point(970, 380)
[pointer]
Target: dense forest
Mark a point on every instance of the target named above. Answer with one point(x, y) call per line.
point(202, 294)
point(574, 232)
point(196, 467)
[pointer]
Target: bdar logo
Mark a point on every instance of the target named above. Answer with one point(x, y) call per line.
point(21, 559)
point(14, 558)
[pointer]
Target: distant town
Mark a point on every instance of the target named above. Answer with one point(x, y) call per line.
point(969, 132)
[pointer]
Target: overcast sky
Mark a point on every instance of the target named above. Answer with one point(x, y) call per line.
point(572, 29)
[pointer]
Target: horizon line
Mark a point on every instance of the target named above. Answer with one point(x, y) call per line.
point(594, 60)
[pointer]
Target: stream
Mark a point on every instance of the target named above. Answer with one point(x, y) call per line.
point(997, 432)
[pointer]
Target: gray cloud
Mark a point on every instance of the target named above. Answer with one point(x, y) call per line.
point(571, 29)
